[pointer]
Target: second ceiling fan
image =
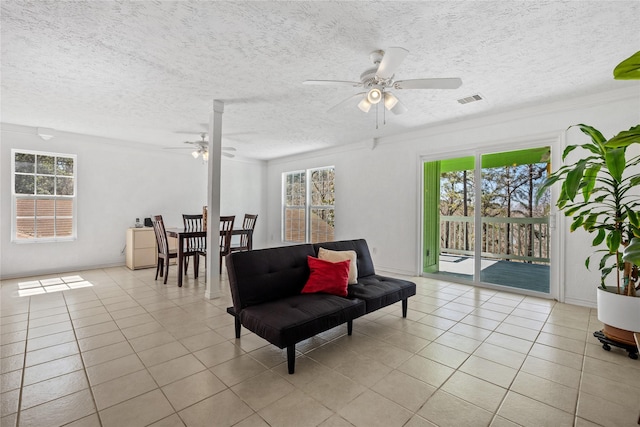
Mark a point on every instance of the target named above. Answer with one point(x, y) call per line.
point(378, 82)
point(201, 147)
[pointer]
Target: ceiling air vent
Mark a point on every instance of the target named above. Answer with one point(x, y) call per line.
point(472, 98)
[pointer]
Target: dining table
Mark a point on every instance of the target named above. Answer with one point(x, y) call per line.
point(181, 235)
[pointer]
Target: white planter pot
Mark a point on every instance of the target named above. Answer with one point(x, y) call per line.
point(618, 310)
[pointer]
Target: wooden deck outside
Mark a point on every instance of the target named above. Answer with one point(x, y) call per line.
point(519, 275)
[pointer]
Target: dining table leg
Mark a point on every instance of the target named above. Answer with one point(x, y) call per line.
point(180, 259)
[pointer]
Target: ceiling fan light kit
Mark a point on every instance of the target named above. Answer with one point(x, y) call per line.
point(390, 100)
point(202, 147)
point(374, 96)
point(364, 105)
point(379, 80)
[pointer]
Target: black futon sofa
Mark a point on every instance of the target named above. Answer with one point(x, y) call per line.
point(266, 289)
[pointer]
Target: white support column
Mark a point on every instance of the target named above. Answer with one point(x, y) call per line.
point(213, 200)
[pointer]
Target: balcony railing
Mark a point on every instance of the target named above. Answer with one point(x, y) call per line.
point(514, 239)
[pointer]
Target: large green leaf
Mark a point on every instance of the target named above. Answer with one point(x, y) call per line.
point(604, 259)
point(574, 177)
point(629, 69)
point(590, 222)
point(634, 219)
point(625, 138)
point(599, 238)
point(613, 241)
point(604, 272)
point(570, 211)
point(552, 179)
point(632, 252)
point(589, 180)
point(616, 162)
point(576, 223)
point(567, 150)
point(595, 134)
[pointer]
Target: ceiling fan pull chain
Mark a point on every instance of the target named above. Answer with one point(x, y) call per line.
point(384, 115)
point(377, 115)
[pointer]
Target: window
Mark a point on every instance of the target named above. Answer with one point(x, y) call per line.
point(44, 196)
point(308, 211)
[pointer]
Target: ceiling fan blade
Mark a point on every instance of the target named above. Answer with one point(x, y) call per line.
point(391, 60)
point(346, 101)
point(331, 83)
point(446, 83)
point(228, 149)
point(231, 156)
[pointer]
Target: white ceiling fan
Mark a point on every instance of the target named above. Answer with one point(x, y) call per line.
point(201, 147)
point(378, 82)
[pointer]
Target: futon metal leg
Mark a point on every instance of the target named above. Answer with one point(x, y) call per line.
point(404, 307)
point(349, 327)
point(291, 358)
point(238, 327)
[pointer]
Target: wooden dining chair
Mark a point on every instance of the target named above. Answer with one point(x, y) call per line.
point(164, 253)
point(249, 223)
point(226, 226)
point(194, 246)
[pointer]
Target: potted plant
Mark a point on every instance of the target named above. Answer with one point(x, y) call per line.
point(601, 193)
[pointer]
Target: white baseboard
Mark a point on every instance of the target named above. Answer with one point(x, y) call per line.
point(63, 270)
point(580, 302)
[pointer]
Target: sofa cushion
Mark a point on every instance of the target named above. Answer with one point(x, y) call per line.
point(290, 320)
point(335, 256)
point(327, 277)
point(364, 264)
point(264, 275)
point(380, 291)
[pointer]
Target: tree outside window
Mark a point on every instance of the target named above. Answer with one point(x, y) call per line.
point(309, 205)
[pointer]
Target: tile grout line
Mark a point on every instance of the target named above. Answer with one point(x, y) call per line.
point(539, 333)
point(24, 364)
point(495, 414)
point(84, 367)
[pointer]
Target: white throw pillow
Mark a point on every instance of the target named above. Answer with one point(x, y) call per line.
point(336, 256)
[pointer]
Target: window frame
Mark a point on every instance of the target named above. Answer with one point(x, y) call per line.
point(15, 197)
point(308, 207)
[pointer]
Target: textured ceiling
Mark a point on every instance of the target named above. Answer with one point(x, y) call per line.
point(148, 71)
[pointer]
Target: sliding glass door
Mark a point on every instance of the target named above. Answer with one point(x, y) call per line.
point(482, 220)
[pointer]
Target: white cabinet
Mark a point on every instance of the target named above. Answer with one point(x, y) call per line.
point(142, 249)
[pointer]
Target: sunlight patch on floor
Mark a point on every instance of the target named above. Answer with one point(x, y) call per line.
point(461, 265)
point(54, 284)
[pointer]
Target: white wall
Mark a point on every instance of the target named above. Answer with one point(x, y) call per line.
point(243, 192)
point(377, 190)
point(118, 181)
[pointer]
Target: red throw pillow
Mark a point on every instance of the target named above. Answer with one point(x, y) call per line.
point(328, 277)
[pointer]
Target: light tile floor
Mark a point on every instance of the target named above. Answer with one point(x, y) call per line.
point(126, 350)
